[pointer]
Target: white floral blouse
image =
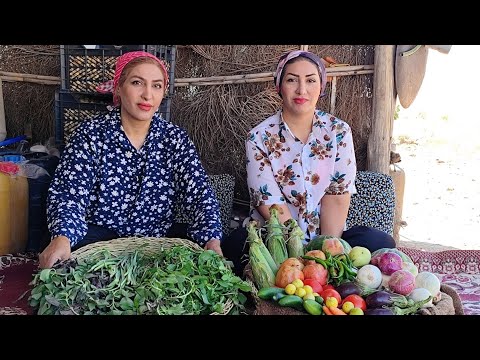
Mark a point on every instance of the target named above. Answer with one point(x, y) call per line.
point(283, 170)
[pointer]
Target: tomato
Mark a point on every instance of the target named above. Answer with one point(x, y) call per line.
point(357, 301)
point(328, 286)
point(331, 293)
point(316, 286)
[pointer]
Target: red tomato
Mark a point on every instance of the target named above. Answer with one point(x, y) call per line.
point(357, 301)
point(331, 293)
point(316, 286)
point(328, 286)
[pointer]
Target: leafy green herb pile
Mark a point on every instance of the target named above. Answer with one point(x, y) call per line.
point(176, 281)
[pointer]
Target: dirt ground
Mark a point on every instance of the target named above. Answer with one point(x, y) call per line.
point(442, 183)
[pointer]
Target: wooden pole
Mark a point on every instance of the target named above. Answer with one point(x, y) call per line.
point(3, 126)
point(268, 76)
point(30, 76)
point(384, 96)
point(333, 96)
point(31, 80)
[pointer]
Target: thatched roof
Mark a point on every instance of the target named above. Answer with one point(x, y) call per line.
point(217, 117)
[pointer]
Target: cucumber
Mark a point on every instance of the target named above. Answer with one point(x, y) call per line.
point(268, 293)
point(312, 307)
point(319, 299)
point(292, 301)
point(278, 296)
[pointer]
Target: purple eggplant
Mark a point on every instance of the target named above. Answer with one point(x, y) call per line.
point(384, 298)
point(379, 311)
point(348, 288)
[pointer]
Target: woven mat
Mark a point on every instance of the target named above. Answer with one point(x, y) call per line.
point(16, 272)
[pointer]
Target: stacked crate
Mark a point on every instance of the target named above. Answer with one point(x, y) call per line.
point(83, 68)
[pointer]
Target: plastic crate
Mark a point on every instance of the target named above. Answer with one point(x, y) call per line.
point(82, 69)
point(71, 110)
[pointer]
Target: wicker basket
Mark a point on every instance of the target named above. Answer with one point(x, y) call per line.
point(148, 245)
point(448, 304)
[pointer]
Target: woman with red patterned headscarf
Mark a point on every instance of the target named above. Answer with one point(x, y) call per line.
point(122, 173)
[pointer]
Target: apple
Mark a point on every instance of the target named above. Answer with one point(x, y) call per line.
point(360, 256)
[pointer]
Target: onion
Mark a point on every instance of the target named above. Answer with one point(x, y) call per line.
point(410, 267)
point(389, 262)
point(385, 280)
point(420, 294)
point(370, 276)
point(429, 281)
point(402, 282)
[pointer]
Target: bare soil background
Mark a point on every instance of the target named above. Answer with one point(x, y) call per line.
point(441, 205)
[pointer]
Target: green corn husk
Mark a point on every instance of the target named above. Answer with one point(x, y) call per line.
point(254, 238)
point(295, 239)
point(275, 241)
point(262, 274)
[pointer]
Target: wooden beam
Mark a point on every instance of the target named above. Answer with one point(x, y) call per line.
point(384, 96)
point(37, 79)
point(267, 76)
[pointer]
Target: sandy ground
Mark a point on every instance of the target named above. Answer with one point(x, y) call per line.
point(442, 184)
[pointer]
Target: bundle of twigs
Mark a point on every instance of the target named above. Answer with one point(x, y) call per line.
point(29, 106)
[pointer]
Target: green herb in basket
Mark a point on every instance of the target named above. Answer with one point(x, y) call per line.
point(177, 280)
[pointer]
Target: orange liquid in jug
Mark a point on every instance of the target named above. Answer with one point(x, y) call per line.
point(13, 213)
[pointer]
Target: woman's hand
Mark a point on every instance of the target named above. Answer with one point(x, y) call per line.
point(214, 245)
point(58, 249)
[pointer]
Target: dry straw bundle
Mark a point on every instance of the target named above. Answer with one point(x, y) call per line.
point(29, 107)
point(217, 116)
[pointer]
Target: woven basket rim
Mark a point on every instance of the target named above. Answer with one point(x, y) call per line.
point(126, 245)
point(130, 244)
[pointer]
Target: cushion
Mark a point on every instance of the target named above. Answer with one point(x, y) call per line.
point(224, 187)
point(374, 203)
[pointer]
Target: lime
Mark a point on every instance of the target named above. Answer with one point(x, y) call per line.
point(347, 306)
point(298, 283)
point(308, 296)
point(356, 311)
point(308, 289)
point(331, 302)
point(290, 289)
point(300, 292)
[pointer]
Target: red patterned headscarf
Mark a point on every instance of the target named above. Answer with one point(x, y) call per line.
point(122, 61)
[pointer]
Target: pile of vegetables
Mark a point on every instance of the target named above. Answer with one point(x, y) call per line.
point(176, 281)
point(329, 277)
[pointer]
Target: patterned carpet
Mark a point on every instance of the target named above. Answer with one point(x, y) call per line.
point(458, 268)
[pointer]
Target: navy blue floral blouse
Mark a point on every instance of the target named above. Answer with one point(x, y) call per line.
point(103, 180)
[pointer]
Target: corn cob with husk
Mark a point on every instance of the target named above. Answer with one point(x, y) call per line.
point(264, 268)
point(275, 241)
point(294, 239)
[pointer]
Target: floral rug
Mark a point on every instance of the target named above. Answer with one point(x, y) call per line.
point(459, 269)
